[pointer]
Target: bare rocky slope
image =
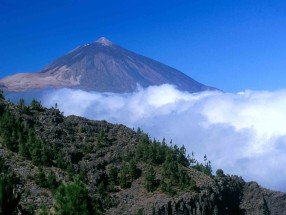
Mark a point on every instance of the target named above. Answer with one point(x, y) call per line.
point(37, 142)
point(104, 67)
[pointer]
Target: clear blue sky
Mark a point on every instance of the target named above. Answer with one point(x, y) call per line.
point(232, 45)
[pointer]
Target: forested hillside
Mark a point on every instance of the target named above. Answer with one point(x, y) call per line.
point(51, 164)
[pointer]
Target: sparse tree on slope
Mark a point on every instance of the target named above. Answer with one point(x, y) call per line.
point(150, 179)
point(73, 199)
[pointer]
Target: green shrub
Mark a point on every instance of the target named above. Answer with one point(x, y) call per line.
point(73, 199)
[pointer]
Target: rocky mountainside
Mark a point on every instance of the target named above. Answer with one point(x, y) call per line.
point(51, 164)
point(104, 67)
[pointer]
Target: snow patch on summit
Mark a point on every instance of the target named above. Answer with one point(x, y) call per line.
point(104, 41)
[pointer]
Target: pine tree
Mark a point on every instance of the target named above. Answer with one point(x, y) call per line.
point(52, 181)
point(35, 105)
point(22, 104)
point(103, 196)
point(112, 177)
point(14, 140)
point(133, 170)
point(182, 159)
point(45, 154)
point(220, 173)
point(60, 160)
point(124, 180)
point(23, 149)
point(73, 199)
point(7, 139)
point(170, 167)
point(35, 152)
point(9, 199)
point(208, 169)
point(101, 139)
point(40, 178)
point(184, 178)
point(70, 170)
point(192, 160)
point(166, 186)
point(150, 179)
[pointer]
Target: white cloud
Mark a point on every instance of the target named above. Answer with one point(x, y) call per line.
point(242, 133)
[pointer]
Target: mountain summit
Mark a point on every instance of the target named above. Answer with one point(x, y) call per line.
point(104, 41)
point(104, 67)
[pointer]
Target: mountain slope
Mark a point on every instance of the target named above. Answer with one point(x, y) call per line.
point(37, 143)
point(104, 67)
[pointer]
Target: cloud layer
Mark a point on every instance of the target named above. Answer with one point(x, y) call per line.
point(243, 133)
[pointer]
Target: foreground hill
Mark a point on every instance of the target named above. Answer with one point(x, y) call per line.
point(104, 67)
point(70, 165)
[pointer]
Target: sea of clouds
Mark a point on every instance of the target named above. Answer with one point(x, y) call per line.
point(242, 133)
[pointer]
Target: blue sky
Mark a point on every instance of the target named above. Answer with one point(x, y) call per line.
point(232, 45)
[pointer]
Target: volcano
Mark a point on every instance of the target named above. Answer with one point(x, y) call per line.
point(102, 66)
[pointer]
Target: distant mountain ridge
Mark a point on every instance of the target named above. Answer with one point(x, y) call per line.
point(104, 67)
